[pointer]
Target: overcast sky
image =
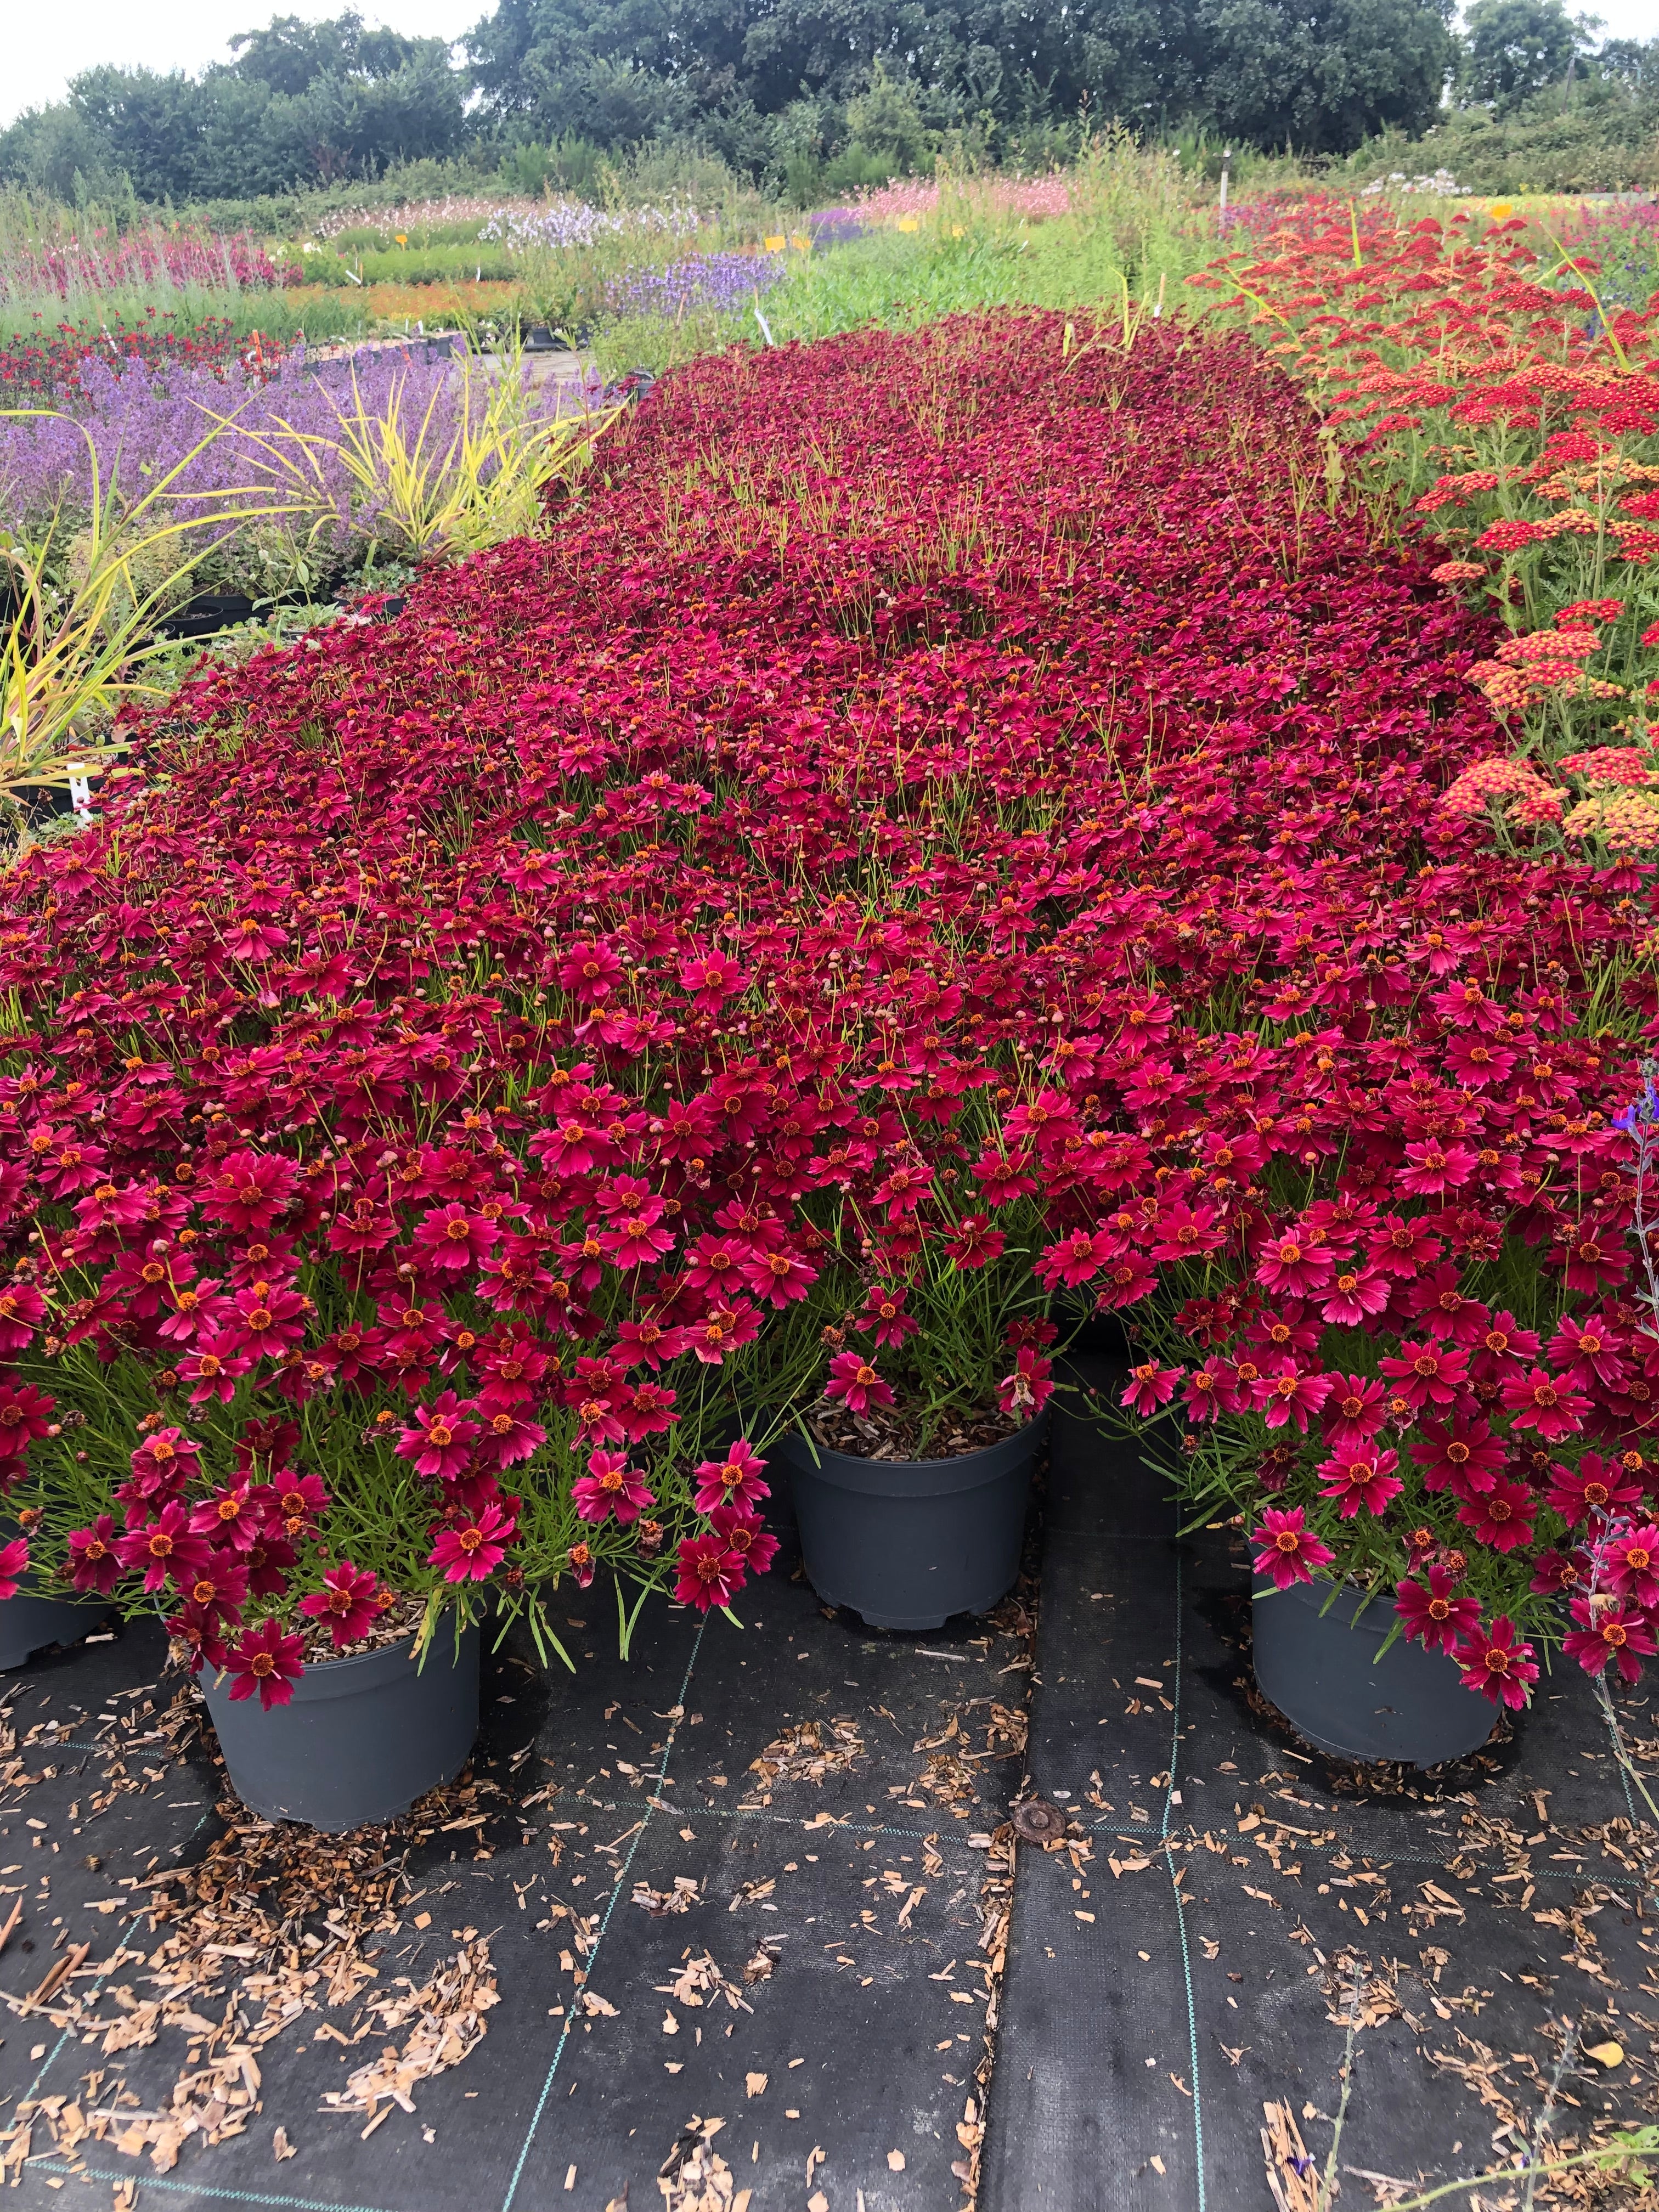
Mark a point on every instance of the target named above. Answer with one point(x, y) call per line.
point(46, 42)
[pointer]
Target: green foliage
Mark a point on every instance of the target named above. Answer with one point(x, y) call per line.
point(410, 265)
point(1514, 48)
point(1135, 232)
point(1599, 134)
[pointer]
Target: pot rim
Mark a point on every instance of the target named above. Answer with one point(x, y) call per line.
point(911, 1479)
point(818, 1454)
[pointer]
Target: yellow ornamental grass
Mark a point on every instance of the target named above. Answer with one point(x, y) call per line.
point(432, 495)
point(73, 654)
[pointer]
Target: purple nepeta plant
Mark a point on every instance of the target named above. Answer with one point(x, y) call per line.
point(726, 282)
point(142, 425)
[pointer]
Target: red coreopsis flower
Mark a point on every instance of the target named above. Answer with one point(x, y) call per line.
point(213, 1366)
point(291, 1502)
point(1287, 1551)
point(1630, 1565)
point(1431, 1374)
point(472, 1551)
point(710, 1573)
point(1366, 1479)
point(165, 1550)
point(164, 1463)
point(268, 1664)
point(780, 1278)
point(853, 1379)
point(1595, 1486)
point(1201, 1392)
point(644, 1409)
point(453, 1240)
point(1149, 1387)
point(1029, 1387)
point(1295, 1266)
point(231, 1517)
point(1501, 1516)
point(512, 1367)
point(1459, 1455)
point(1353, 1413)
point(93, 1562)
point(1496, 1665)
point(974, 1243)
point(252, 1190)
point(611, 1487)
point(22, 1310)
point(349, 1603)
point(885, 1318)
point(582, 1565)
point(441, 1441)
point(25, 1414)
point(1403, 1248)
point(636, 1238)
point(647, 1343)
point(505, 1437)
point(1537, 1399)
point(1433, 1617)
point(1076, 1258)
point(220, 1588)
point(742, 1533)
point(1588, 1350)
point(1354, 1296)
point(1502, 1346)
point(14, 1566)
point(711, 979)
point(1607, 1630)
point(734, 1480)
point(1292, 1395)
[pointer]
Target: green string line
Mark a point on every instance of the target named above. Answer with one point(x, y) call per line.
point(1169, 1860)
point(147, 2181)
point(616, 1891)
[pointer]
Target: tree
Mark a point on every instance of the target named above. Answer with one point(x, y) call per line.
point(1321, 78)
point(1513, 48)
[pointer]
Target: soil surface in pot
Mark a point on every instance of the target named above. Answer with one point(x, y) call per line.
point(896, 1432)
point(399, 1619)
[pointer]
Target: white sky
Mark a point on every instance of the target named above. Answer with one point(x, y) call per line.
point(46, 42)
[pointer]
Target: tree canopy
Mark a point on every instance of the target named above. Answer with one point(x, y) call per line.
point(802, 91)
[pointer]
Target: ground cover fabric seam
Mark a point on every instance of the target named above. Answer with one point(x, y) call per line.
point(204, 2189)
point(650, 1807)
point(1175, 1885)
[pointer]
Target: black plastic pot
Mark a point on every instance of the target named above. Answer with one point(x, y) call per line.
point(363, 1739)
point(1322, 1670)
point(31, 1623)
point(906, 1543)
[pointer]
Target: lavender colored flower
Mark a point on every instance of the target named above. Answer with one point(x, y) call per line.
point(276, 436)
point(726, 282)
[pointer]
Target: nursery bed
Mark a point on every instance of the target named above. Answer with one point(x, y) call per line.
point(1160, 2027)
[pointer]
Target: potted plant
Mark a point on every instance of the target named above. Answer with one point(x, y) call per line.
point(37, 1608)
point(325, 1568)
point(1428, 1417)
point(914, 1381)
